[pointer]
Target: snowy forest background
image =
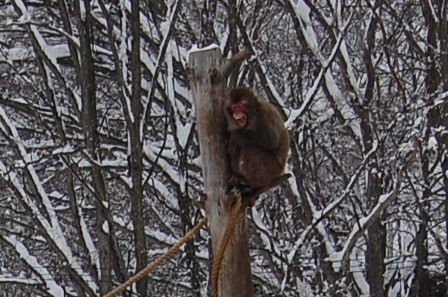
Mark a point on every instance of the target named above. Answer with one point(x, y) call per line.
point(99, 162)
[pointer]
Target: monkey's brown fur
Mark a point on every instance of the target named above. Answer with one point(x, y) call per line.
point(258, 143)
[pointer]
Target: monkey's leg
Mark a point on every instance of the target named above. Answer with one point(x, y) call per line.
point(235, 182)
point(250, 194)
point(255, 193)
point(261, 170)
point(258, 167)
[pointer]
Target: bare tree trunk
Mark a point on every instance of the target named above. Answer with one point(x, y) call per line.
point(443, 138)
point(376, 234)
point(421, 285)
point(208, 83)
point(376, 249)
point(89, 122)
point(136, 151)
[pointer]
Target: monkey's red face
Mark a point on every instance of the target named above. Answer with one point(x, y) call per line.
point(239, 113)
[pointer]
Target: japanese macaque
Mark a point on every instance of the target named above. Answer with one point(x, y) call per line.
point(258, 143)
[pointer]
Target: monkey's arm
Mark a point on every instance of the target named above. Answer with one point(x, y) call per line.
point(266, 137)
point(238, 140)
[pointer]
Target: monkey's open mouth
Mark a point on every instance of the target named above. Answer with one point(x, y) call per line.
point(240, 118)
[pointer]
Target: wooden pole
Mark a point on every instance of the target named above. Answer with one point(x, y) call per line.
point(208, 72)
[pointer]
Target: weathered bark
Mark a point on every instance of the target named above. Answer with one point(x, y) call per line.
point(208, 75)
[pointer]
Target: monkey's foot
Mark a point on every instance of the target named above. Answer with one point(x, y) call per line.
point(252, 196)
point(236, 184)
point(234, 181)
point(246, 194)
point(239, 188)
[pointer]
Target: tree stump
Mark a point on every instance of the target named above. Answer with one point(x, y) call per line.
point(208, 72)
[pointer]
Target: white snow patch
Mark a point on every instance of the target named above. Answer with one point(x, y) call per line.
point(51, 286)
point(432, 143)
point(105, 227)
point(195, 49)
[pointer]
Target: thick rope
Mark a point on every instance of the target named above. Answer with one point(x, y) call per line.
point(228, 232)
point(222, 247)
point(162, 258)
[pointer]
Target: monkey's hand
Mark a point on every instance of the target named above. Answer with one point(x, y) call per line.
point(236, 183)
